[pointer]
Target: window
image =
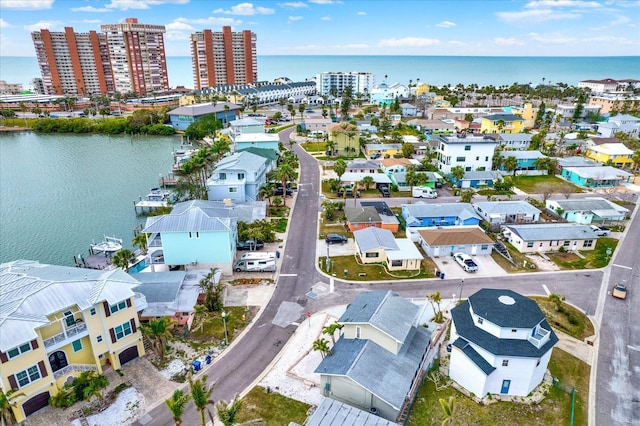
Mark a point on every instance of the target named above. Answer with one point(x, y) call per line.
point(233, 190)
point(358, 331)
point(120, 305)
point(370, 255)
point(69, 319)
point(467, 147)
point(530, 244)
point(587, 243)
point(396, 263)
point(538, 363)
point(461, 159)
point(123, 330)
point(486, 158)
point(477, 158)
point(99, 339)
point(505, 362)
point(222, 176)
point(27, 376)
point(19, 350)
point(240, 176)
point(467, 169)
point(92, 311)
point(77, 345)
point(566, 243)
point(480, 320)
point(513, 330)
point(484, 246)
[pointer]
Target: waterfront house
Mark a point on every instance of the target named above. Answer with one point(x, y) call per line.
point(613, 154)
point(546, 237)
point(445, 214)
point(376, 245)
point(527, 162)
point(183, 116)
point(502, 123)
point(498, 212)
point(239, 176)
point(445, 241)
point(250, 133)
point(470, 152)
point(477, 179)
point(596, 177)
point(381, 356)
point(501, 343)
point(588, 210)
point(58, 321)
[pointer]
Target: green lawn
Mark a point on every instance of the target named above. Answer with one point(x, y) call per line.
point(373, 272)
point(272, 408)
point(568, 320)
point(593, 259)
point(536, 184)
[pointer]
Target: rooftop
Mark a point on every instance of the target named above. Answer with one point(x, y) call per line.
point(552, 231)
point(506, 207)
point(454, 235)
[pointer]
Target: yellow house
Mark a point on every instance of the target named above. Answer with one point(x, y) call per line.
point(616, 154)
point(59, 321)
point(421, 89)
point(502, 123)
point(345, 138)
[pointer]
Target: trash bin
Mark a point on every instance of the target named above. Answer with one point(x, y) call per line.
point(196, 365)
point(437, 273)
point(207, 359)
point(442, 275)
point(278, 254)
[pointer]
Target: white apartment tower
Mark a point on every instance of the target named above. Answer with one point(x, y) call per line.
point(470, 152)
point(334, 83)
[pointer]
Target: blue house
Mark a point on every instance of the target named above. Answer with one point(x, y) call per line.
point(447, 214)
point(194, 234)
point(527, 162)
point(183, 116)
point(477, 179)
point(239, 176)
point(596, 177)
point(249, 133)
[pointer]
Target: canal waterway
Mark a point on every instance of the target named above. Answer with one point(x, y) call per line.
point(58, 193)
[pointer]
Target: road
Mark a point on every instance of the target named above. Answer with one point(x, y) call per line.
point(244, 362)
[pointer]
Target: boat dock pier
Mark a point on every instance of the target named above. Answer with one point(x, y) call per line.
point(93, 261)
point(147, 205)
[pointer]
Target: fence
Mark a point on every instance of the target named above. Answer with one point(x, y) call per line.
point(569, 389)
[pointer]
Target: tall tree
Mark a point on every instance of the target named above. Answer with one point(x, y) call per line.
point(284, 173)
point(157, 331)
point(339, 167)
point(322, 346)
point(511, 163)
point(212, 288)
point(177, 404)
point(228, 411)
point(331, 329)
point(413, 178)
point(201, 396)
point(121, 259)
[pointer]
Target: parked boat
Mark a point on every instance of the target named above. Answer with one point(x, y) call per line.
point(108, 246)
point(158, 194)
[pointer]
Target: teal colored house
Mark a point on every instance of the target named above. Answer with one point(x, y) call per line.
point(194, 235)
point(527, 162)
point(596, 177)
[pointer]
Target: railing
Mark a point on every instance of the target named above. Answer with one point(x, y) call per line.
point(67, 333)
point(73, 367)
point(540, 337)
point(140, 301)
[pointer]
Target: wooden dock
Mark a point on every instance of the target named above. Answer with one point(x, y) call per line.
point(93, 262)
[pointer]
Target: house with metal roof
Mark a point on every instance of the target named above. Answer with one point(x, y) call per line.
point(477, 179)
point(515, 141)
point(497, 212)
point(545, 237)
point(438, 241)
point(239, 176)
point(501, 343)
point(183, 116)
point(620, 123)
point(380, 357)
point(194, 234)
point(335, 413)
point(527, 162)
point(588, 210)
point(442, 214)
point(375, 245)
point(502, 123)
point(58, 321)
point(614, 154)
point(596, 177)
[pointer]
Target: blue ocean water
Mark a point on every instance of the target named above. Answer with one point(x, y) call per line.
point(434, 70)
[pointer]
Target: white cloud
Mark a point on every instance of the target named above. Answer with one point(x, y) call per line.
point(294, 5)
point(48, 25)
point(325, 18)
point(446, 24)
point(408, 42)
point(295, 18)
point(26, 4)
point(211, 21)
point(511, 41)
point(90, 9)
point(176, 36)
point(325, 1)
point(361, 13)
point(562, 3)
point(178, 26)
point(4, 24)
point(536, 15)
point(246, 9)
point(141, 4)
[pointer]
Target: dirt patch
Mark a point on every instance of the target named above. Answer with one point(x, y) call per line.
point(542, 264)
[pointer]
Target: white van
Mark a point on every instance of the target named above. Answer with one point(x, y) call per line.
point(247, 265)
point(258, 255)
point(424, 192)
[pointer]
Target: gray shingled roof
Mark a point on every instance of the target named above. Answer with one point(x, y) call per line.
point(481, 175)
point(524, 313)
point(507, 207)
point(505, 117)
point(361, 214)
point(331, 412)
point(523, 155)
point(553, 231)
point(515, 137)
point(372, 238)
point(576, 162)
point(474, 356)
point(460, 210)
point(385, 310)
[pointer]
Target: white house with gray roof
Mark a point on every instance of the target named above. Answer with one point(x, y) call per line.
point(441, 214)
point(239, 177)
point(545, 237)
point(375, 245)
point(380, 357)
point(498, 212)
point(588, 210)
point(469, 152)
point(515, 141)
point(501, 343)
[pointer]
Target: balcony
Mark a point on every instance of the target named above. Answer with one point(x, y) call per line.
point(539, 337)
point(68, 335)
point(139, 301)
point(73, 368)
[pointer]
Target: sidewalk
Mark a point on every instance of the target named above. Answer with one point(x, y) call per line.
point(575, 347)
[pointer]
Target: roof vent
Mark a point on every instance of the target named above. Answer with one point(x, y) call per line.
point(507, 300)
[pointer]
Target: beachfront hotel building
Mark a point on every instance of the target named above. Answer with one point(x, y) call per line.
point(138, 57)
point(73, 63)
point(59, 321)
point(334, 83)
point(224, 57)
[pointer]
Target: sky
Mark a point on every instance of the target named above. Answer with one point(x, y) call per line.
point(353, 27)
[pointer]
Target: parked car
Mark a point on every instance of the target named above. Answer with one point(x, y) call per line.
point(375, 155)
point(336, 239)
point(278, 191)
point(465, 262)
point(619, 291)
point(384, 190)
point(249, 245)
point(349, 191)
point(601, 231)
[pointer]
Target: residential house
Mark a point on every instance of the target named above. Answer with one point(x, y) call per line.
point(361, 166)
point(469, 152)
point(356, 178)
point(376, 245)
point(388, 219)
point(588, 210)
point(438, 242)
point(567, 112)
point(501, 343)
point(260, 93)
point(432, 126)
point(408, 110)
point(527, 163)
point(194, 234)
point(385, 150)
point(386, 94)
point(613, 154)
point(239, 176)
point(502, 123)
point(345, 139)
point(183, 116)
point(400, 179)
point(574, 161)
point(335, 413)
point(397, 165)
point(447, 214)
point(596, 177)
point(498, 212)
point(611, 101)
point(546, 237)
point(361, 217)
point(477, 179)
point(380, 357)
point(246, 125)
point(317, 126)
point(58, 321)
point(250, 133)
point(515, 141)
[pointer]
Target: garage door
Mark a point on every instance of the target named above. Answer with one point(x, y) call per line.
point(128, 354)
point(36, 403)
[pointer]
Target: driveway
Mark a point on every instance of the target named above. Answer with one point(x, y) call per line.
point(346, 249)
point(487, 267)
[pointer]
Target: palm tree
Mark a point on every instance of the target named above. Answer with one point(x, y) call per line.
point(212, 291)
point(457, 172)
point(157, 331)
point(177, 404)
point(201, 395)
point(414, 178)
point(292, 111)
point(284, 173)
point(511, 163)
point(121, 259)
point(228, 411)
point(322, 346)
point(331, 330)
point(367, 181)
point(6, 413)
point(448, 407)
point(339, 167)
point(140, 241)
